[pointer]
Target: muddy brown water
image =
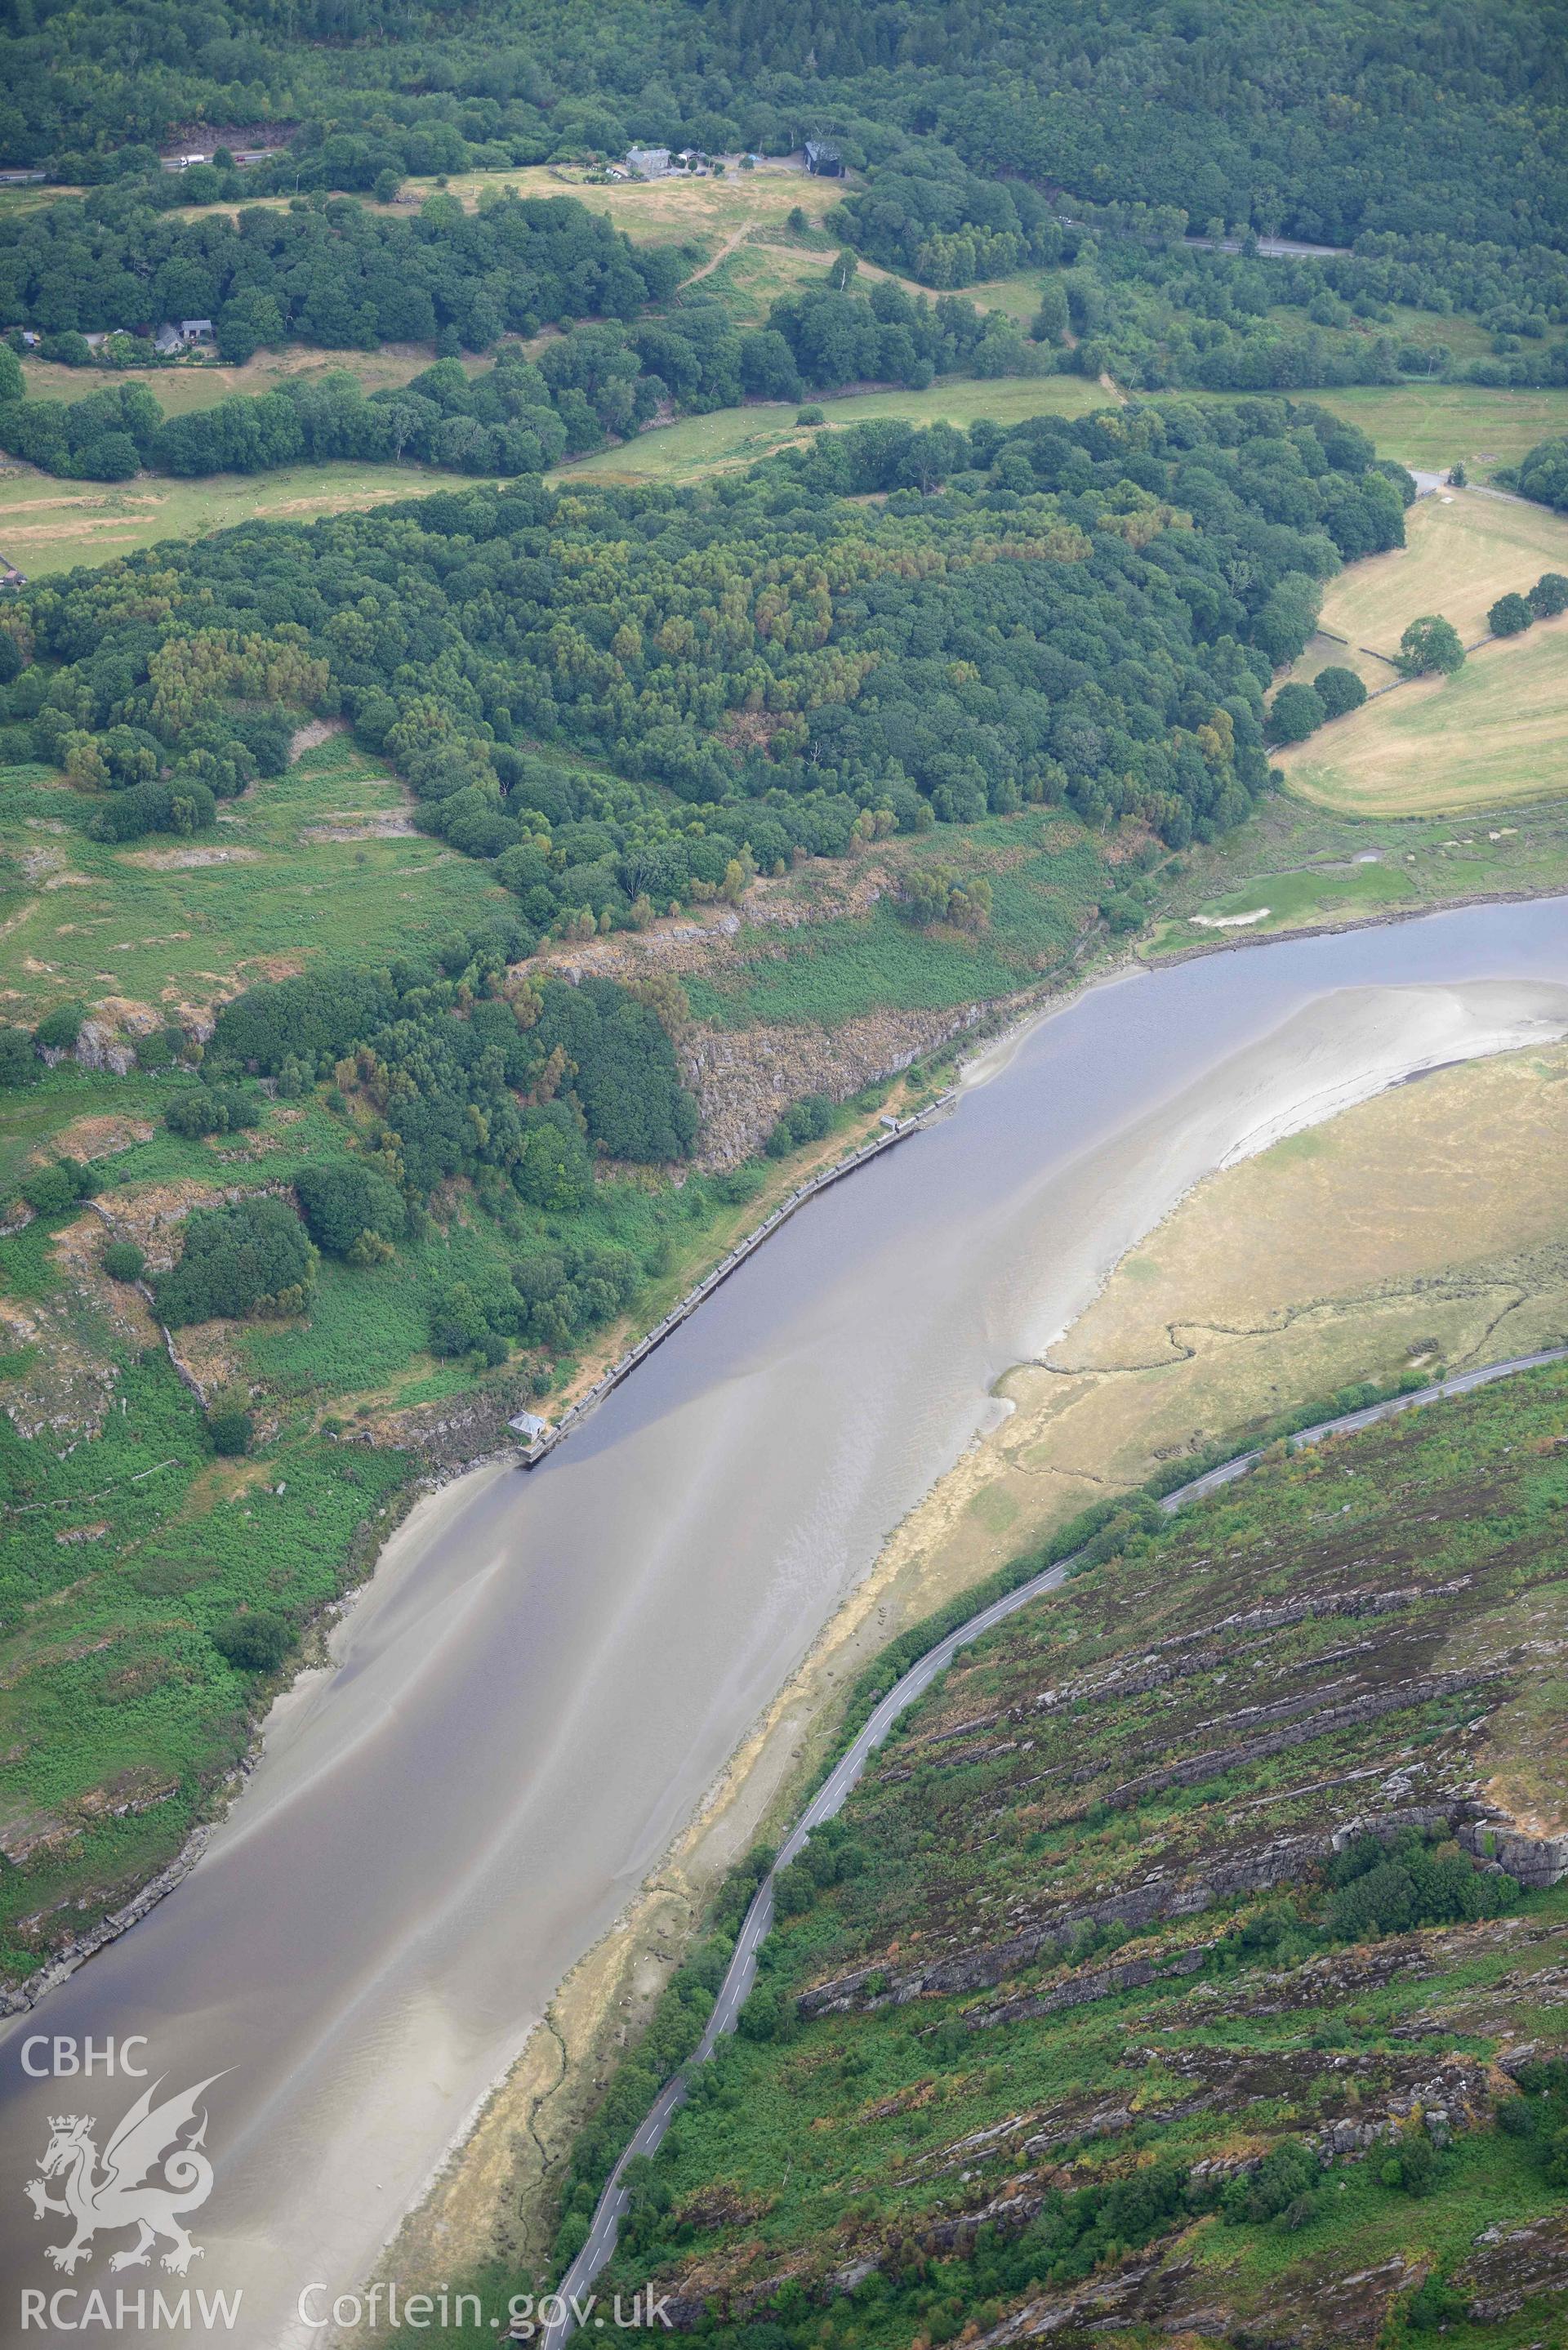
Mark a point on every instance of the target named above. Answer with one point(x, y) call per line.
point(549, 1669)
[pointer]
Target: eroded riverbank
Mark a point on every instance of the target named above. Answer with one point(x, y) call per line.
point(526, 1706)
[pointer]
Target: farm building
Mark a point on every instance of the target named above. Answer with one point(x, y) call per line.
point(651, 161)
point(823, 158)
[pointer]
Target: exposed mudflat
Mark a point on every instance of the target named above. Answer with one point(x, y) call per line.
point(546, 1673)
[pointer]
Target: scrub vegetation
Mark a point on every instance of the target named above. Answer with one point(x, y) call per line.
point(1161, 1963)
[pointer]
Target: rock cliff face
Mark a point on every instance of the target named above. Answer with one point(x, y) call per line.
point(1173, 1968)
point(454, 1433)
point(745, 1077)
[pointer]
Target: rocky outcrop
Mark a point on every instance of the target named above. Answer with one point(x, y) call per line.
point(100, 1046)
point(1192, 1770)
point(1141, 2292)
point(1280, 1862)
point(1367, 1602)
point(1513, 2265)
point(1456, 2098)
point(1094, 1982)
point(459, 1430)
point(1533, 1861)
point(745, 1077)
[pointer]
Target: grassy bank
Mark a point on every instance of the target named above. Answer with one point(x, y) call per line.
point(48, 526)
point(167, 922)
point(122, 1719)
point(683, 453)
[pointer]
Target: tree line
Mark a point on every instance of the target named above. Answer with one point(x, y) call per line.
point(522, 415)
point(327, 271)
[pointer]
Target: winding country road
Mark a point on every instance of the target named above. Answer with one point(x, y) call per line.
point(830, 1796)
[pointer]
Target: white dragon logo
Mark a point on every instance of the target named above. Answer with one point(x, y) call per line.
point(125, 2194)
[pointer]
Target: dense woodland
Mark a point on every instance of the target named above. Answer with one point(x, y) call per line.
point(448, 1067)
point(330, 272)
point(1318, 122)
point(1086, 611)
point(630, 701)
point(449, 1064)
point(1427, 143)
point(1542, 474)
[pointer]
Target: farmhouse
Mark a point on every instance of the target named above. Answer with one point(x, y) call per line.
point(653, 163)
point(190, 334)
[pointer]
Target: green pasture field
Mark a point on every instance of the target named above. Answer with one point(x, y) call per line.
point(739, 436)
point(149, 923)
point(48, 526)
point(1431, 426)
point(1301, 860)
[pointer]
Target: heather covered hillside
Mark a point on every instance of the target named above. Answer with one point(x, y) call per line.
point(1190, 1961)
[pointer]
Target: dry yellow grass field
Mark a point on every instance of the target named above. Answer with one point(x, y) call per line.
point(49, 525)
point(671, 210)
point(1463, 549)
point(1495, 735)
point(180, 389)
point(1490, 738)
point(1429, 1225)
point(663, 211)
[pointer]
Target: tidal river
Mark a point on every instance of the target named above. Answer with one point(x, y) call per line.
point(549, 1669)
